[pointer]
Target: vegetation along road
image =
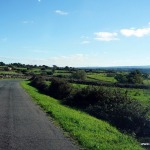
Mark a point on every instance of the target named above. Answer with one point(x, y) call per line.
point(23, 126)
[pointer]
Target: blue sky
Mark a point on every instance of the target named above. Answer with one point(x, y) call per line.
point(75, 32)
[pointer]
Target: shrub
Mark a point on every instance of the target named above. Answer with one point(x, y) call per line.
point(49, 73)
point(59, 88)
point(113, 106)
point(134, 77)
point(79, 74)
point(125, 113)
point(39, 83)
point(86, 97)
point(121, 78)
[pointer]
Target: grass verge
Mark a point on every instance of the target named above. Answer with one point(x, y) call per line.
point(90, 132)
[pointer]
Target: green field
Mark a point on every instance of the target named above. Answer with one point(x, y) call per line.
point(142, 95)
point(146, 82)
point(91, 133)
point(8, 72)
point(62, 73)
point(101, 77)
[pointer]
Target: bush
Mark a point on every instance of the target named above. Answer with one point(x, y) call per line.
point(49, 73)
point(113, 106)
point(121, 78)
point(79, 74)
point(39, 83)
point(86, 97)
point(134, 77)
point(59, 88)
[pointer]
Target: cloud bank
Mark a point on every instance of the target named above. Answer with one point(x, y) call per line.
point(128, 32)
point(141, 32)
point(106, 36)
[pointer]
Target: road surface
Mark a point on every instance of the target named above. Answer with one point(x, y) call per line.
point(23, 126)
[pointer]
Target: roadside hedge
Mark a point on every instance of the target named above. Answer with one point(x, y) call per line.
point(114, 106)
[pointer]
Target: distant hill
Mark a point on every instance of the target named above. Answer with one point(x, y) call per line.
point(144, 69)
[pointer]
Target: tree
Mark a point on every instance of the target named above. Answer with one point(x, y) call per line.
point(121, 78)
point(54, 68)
point(67, 68)
point(2, 64)
point(145, 75)
point(135, 77)
point(79, 74)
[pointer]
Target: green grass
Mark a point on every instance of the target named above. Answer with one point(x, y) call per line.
point(2, 67)
point(101, 77)
point(7, 72)
point(90, 132)
point(62, 73)
point(19, 68)
point(35, 70)
point(78, 86)
point(143, 95)
point(146, 82)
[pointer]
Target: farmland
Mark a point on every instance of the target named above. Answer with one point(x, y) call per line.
point(76, 81)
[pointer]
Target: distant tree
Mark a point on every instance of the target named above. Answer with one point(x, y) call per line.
point(110, 74)
point(43, 73)
point(135, 77)
point(145, 75)
point(79, 74)
point(67, 68)
point(43, 68)
point(2, 64)
point(121, 78)
point(54, 68)
point(49, 73)
point(24, 71)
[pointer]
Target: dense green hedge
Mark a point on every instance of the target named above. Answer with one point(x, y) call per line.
point(113, 106)
point(102, 83)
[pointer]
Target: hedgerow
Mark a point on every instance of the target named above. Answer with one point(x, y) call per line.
point(114, 106)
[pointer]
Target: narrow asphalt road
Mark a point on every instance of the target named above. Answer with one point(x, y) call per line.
point(23, 126)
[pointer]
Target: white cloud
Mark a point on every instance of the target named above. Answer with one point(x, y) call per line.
point(85, 42)
point(135, 32)
point(106, 36)
point(60, 12)
point(75, 60)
